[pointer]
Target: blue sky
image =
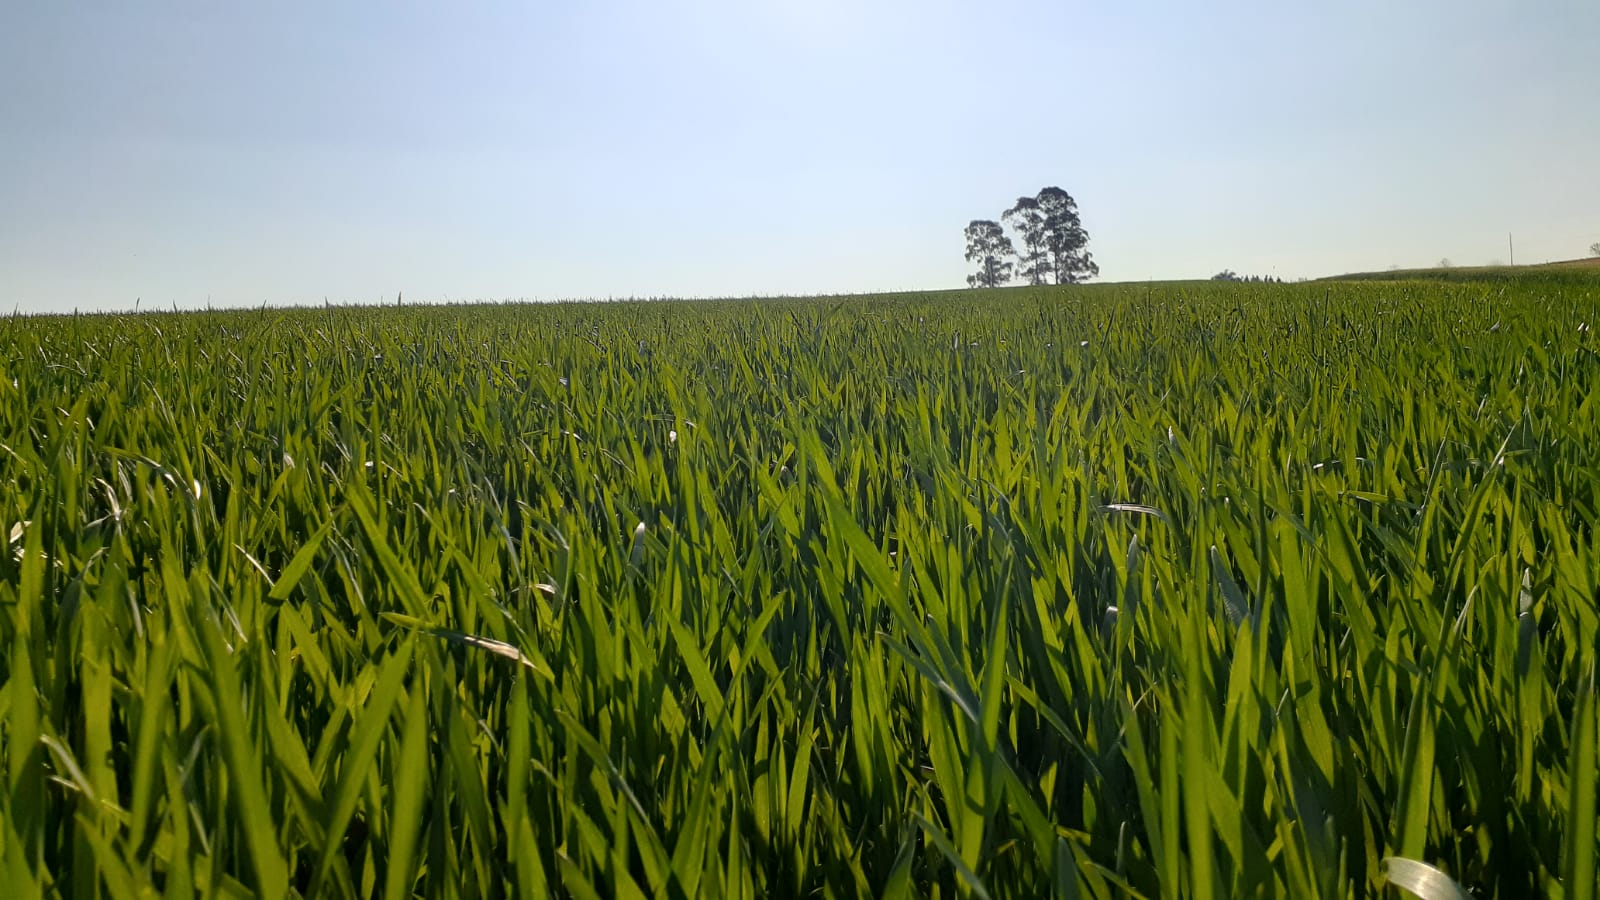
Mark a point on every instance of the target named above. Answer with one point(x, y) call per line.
point(290, 151)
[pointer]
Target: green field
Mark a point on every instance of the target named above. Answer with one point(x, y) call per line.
point(1200, 590)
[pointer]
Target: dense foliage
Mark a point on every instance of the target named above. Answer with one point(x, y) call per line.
point(1212, 590)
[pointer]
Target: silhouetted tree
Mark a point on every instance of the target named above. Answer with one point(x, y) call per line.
point(1225, 275)
point(1594, 249)
point(988, 246)
point(1065, 241)
point(1028, 222)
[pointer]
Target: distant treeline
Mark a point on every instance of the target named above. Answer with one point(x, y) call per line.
point(1230, 275)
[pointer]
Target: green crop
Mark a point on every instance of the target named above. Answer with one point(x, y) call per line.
point(1200, 590)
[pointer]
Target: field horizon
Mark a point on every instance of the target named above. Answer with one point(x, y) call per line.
point(1578, 270)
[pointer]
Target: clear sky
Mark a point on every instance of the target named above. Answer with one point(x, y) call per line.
point(290, 151)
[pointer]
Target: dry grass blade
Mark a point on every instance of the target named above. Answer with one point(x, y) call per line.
point(1421, 879)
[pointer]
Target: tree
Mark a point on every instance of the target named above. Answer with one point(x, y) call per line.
point(1445, 263)
point(1225, 275)
point(1028, 221)
point(988, 246)
point(1065, 241)
point(1594, 249)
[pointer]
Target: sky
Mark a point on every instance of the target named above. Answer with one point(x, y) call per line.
point(232, 153)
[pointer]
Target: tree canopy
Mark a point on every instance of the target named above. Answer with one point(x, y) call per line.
point(1027, 220)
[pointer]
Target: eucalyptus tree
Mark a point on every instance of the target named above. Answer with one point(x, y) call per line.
point(990, 248)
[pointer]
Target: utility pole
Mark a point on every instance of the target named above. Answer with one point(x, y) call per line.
point(1512, 247)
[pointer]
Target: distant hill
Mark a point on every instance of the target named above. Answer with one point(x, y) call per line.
point(1564, 270)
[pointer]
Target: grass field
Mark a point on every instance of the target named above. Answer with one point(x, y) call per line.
point(1211, 590)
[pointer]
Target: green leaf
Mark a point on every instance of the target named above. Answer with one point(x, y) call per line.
point(299, 564)
point(356, 762)
point(408, 788)
point(244, 766)
point(1578, 850)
